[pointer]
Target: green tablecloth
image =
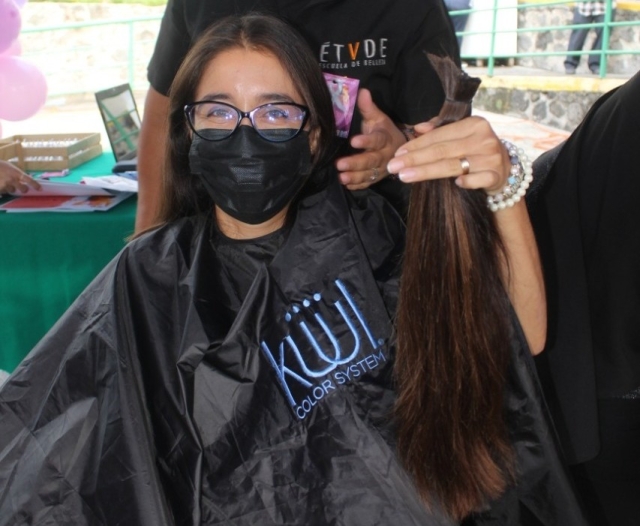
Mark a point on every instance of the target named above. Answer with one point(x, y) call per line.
point(48, 258)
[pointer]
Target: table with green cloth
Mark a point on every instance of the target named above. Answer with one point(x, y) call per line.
point(48, 258)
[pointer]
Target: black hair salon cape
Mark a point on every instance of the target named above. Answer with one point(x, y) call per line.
point(151, 402)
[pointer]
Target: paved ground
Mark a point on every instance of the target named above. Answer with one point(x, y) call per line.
point(534, 138)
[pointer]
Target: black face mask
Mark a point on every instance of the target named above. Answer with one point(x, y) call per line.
point(248, 177)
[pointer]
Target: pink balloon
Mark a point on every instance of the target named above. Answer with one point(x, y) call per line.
point(14, 50)
point(23, 89)
point(10, 23)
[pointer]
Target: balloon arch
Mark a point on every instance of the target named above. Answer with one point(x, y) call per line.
point(23, 87)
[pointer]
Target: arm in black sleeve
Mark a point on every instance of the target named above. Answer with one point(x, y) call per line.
point(172, 45)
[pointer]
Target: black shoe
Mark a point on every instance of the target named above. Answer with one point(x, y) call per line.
point(595, 70)
point(570, 70)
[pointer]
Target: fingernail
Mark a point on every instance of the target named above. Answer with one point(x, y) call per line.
point(342, 166)
point(407, 176)
point(401, 151)
point(395, 165)
point(345, 179)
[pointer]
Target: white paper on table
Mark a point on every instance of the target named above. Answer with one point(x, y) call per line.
point(112, 182)
point(49, 188)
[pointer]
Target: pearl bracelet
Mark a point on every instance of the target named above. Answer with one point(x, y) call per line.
point(518, 181)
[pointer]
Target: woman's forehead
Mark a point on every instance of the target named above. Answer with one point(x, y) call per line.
point(246, 73)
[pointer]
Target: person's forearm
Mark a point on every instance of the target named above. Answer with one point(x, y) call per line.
point(523, 273)
point(151, 155)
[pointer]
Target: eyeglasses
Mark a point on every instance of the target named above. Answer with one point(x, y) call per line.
point(275, 122)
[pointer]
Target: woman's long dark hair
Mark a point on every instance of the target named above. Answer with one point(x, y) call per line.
point(184, 194)
point(453, 337)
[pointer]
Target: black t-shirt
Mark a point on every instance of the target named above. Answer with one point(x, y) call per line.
point(381, 43)
point(240, 260)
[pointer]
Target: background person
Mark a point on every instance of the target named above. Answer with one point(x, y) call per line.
point(381, 44)
point(586, 228)
point(459, 20)
point(586, 13)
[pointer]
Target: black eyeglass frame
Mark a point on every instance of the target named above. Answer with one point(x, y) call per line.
point(189, 108)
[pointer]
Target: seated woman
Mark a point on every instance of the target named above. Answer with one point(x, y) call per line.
point(235, 364)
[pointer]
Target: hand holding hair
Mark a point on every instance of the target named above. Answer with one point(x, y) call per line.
point(453, 321)
point(439, 151)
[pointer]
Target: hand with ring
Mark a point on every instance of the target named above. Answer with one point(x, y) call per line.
point(468, 150)
point(379, 140)
point(12, 179)
point(375, 174)
point(464, 164)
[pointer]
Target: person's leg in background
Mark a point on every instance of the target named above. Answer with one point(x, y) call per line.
point(459, 21)
point(576, 41)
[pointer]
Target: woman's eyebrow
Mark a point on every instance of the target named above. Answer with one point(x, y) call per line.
point(215, 96)
point(278, 97)
point(263, 98)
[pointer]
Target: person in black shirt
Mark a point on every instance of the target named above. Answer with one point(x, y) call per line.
point(382, 44)
point(585, 214)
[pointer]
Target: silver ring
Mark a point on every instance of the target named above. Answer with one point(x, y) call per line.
point(375, 175)
point(464, 164)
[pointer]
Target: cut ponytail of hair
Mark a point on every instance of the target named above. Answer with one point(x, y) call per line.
point(453, 336)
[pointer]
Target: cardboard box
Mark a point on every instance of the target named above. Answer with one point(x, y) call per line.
point(51, 151)
point(10, 151)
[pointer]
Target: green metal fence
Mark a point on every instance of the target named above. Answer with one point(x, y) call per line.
point(93, 55)
point(616, 43)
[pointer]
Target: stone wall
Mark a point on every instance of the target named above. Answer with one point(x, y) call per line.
point(564, 102)
point(624, 38)
point(560, 109)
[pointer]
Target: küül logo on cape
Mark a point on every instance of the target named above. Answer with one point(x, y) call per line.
point(299, 373)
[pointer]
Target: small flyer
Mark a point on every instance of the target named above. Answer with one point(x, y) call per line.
point(51, 188)
point(64, 203)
